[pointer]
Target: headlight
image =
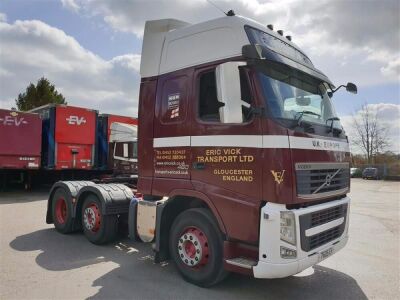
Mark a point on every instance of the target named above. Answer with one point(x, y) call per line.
point(288, 227)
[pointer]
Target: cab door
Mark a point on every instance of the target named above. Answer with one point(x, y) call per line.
point(226, 157)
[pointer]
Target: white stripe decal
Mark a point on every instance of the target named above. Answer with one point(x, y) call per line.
point(176, 141)
point(252, 141)
point(275, 141)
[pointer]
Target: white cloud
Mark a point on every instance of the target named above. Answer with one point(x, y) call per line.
point(71, 5)
point(347, 39)
point(388, 116)
point(35, 49)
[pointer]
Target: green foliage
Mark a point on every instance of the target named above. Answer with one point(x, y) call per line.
point(41, 94)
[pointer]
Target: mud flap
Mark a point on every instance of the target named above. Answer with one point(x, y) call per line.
point(146, 220)
point(132, 219)
point(143, 216)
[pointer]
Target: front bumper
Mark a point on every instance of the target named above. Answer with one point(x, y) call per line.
point(271, 264)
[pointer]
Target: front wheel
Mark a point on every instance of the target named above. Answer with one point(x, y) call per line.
point(196, 246)
point(97, 227)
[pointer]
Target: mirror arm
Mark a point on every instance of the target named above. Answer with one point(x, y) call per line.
point(340, 86)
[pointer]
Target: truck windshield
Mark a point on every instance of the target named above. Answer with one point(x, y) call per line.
point(292, 96)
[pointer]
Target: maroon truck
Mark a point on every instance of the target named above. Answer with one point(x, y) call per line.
point(243, 162)
point(20, 143)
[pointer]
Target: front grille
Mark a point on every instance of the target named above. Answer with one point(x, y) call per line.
point(327, 215)
point(324, 237)
point(317, 179)
point(317, 218)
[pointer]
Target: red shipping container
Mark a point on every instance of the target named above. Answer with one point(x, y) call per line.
point(20, 140)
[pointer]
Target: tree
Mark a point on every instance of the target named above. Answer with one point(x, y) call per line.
point(370, 135)
point(43, 93)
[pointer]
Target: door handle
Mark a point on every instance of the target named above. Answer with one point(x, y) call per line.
point(199, 166)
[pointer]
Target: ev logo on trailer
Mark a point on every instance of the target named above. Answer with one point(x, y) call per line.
point(12, 120)
point(75, 120)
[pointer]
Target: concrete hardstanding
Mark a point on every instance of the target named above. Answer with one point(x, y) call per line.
point(38, 262)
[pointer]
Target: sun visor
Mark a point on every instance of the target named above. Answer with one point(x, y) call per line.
point(259, 52)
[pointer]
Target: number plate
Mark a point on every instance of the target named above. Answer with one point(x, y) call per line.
point(324, 254)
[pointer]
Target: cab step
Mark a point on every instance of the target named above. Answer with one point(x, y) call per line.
point(242, 262)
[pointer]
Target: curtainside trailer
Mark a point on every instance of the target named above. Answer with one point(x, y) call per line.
point(243, 162)
point(68, 137)
point(20, 145)
point(19, 140)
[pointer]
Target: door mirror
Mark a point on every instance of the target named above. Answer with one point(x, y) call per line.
point(228, 92)
point(351, 87)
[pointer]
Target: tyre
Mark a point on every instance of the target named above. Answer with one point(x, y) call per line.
point(196, 246)
point(97, 227)
point(62, 211)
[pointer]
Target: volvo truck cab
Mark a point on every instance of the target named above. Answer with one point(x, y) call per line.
point(243, 165)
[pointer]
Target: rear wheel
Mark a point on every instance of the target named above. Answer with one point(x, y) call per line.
point(62, 211)
point(196, 246)
point(97, 227)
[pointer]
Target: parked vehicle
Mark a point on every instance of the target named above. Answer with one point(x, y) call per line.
point(19, 140)
point(355, 172)
point(370, 173)
point(68, 137)
point(20, 145)
point(123, 149)
point(104, 124)
point(243, 163)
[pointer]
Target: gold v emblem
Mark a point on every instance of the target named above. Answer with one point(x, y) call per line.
point(278, 176)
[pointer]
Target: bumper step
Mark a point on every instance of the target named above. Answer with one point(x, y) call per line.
point(242, 262)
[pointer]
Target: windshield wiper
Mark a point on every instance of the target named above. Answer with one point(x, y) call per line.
point(301, 113)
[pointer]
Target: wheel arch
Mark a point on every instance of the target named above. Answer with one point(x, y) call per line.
point(178, 202)
point(114, 198)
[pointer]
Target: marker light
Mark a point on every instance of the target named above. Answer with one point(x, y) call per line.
point(280, 32)
point(270, 26)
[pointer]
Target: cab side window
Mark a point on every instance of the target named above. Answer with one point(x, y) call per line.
point(245, 95)
point(208, 101)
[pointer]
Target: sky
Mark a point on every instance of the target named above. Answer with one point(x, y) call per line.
point(91, 49)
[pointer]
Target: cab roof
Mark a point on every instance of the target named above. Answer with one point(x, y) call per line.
point(170, 44)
